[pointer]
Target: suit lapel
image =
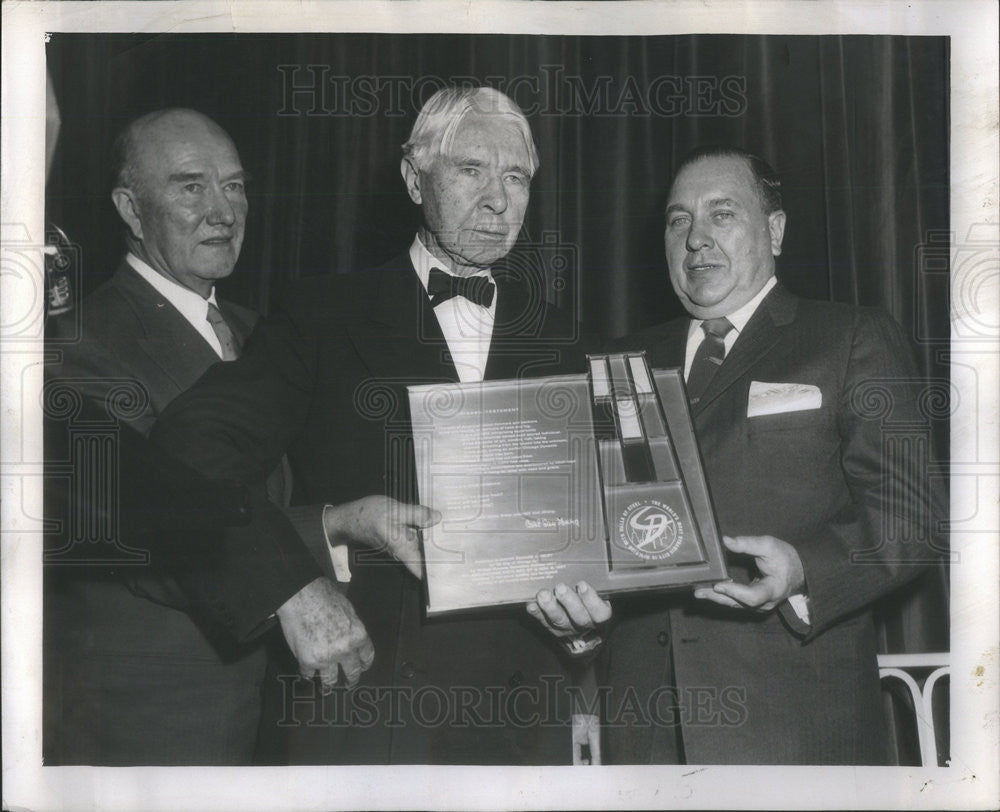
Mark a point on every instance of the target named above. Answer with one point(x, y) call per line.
point(401, 340)
point(760, 334)
point(169, 341)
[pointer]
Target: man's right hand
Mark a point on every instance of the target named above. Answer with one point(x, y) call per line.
point(569, 611)
point(325, 634)
point(382, 523)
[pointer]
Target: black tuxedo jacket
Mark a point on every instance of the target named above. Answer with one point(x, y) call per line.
point(325, 379)
point(847, 484)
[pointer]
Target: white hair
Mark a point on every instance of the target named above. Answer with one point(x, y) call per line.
point(435, 127)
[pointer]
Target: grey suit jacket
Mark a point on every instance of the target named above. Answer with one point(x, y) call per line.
point(128, 357)
point(129, 331)
point(839, 482)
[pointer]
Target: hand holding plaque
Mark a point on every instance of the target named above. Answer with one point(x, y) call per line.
point(570, 611)
point(592, 477)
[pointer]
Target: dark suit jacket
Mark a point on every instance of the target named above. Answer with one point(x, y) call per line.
point(129, 674)
point(324, 377)
point(843, 486)
point(130, 331)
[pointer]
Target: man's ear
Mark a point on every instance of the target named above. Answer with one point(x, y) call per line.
point(776, 225)
point(411, 177)
point(128, 209)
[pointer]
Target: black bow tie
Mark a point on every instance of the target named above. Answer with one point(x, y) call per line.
point(442, 286)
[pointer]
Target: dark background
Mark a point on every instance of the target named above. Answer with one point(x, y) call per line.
point(857, 126)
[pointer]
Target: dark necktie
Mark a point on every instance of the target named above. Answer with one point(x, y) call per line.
point(230, 346)
point(708, 357)
point(442, 286)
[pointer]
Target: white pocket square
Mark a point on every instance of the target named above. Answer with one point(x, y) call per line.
point(776, 398)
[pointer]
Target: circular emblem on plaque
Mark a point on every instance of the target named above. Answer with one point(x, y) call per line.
point(650, 530)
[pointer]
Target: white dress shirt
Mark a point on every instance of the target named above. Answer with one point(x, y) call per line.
point(188, 303)
point(739, 319)
point(467, 327)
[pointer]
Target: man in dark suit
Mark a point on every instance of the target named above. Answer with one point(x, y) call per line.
point(140, 667)
point(325, 379)
point(821, 516)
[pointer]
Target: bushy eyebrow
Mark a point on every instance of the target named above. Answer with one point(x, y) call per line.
point(479, 162)
point(189, 177)
point(186, 177)
point(712, 204)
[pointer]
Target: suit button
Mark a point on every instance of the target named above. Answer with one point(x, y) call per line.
point(517, 678)
point(408, 670)
point(663, 638)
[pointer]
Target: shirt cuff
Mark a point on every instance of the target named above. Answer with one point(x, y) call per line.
point(339, 557)
point(800, 605)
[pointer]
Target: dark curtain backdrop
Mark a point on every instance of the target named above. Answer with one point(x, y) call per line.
point(857, 126)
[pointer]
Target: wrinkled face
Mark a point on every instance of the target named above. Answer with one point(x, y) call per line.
point(474, 198)
point(189, 206)
point(720, 244)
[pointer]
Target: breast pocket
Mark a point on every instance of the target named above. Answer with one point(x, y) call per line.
point(791, 460)
point(805, 420)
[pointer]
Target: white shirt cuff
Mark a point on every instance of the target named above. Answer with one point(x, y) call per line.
point(339, 556)
point(800, 605)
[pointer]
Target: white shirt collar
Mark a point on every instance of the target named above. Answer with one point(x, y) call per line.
point(189, 304)
point(423, 260)
point(184, 299)
point(739, 317)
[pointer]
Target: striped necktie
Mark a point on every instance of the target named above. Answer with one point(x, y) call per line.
point(708, 357)
point(230, 346)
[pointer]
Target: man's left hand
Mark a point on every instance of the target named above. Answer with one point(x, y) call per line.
point(781, 575)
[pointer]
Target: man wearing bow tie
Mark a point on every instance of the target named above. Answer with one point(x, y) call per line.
point(325, 378)
point(798, 408)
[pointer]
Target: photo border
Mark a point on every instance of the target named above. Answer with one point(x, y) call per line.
point(971, 781)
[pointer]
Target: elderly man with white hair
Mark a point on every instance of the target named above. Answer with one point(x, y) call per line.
point(324, 379)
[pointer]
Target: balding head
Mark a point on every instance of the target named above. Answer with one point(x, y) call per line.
point(143, 132)
point(179, 189)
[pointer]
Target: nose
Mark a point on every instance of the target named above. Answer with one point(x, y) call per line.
point(698, 236)
point(494, 195)
point(220, 209)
